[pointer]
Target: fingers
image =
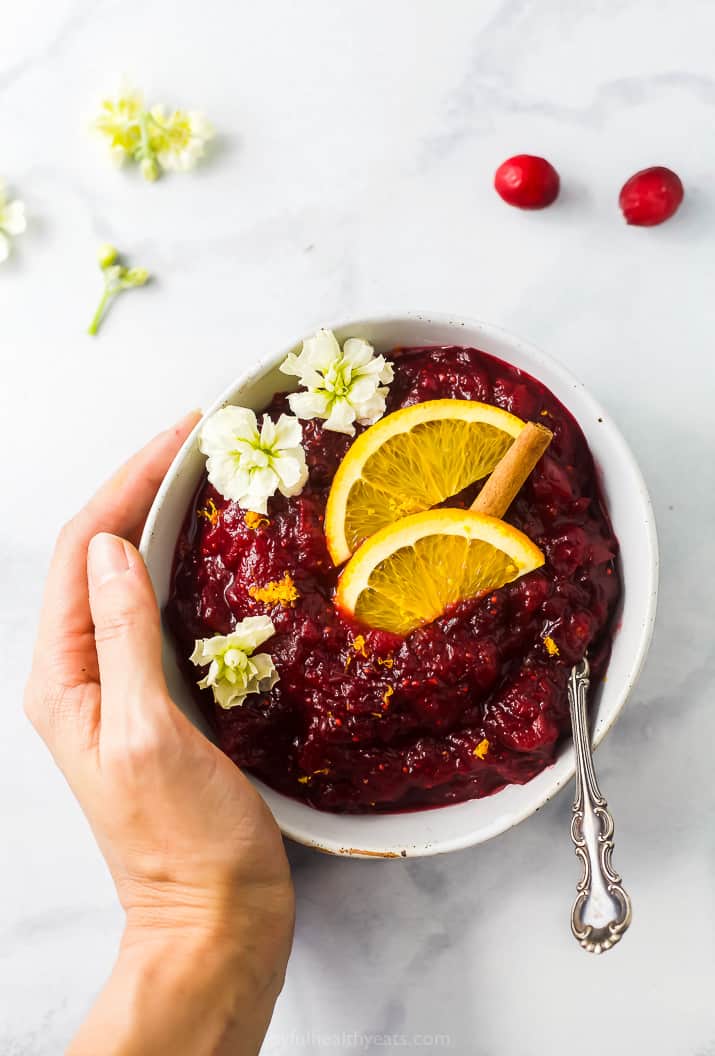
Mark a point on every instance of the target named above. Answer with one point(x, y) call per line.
point(65, 640)
point(127, 628)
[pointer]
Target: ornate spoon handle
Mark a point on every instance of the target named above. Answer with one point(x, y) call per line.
point(592, 835)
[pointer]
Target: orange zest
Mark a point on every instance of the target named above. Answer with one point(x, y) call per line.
point(277, 592)
point(255, 520)
point(482, 748)
point(209, 512)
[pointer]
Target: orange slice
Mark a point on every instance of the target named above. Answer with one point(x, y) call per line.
point(410, 461)
point(408, 573)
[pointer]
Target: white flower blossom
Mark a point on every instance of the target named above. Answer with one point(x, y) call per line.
point(344, 385)
point(235, 671)
point(156, 139)
point(180, 137)
point(12, 222)
point(119, 121)
point(247, 466)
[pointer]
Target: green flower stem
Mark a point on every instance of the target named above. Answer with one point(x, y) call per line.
point(145, 153)
point(97, 317)
point(117, 277)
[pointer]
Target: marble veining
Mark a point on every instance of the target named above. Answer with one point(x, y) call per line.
point(353, 174)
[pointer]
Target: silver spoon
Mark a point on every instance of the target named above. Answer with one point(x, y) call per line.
point(599, 889)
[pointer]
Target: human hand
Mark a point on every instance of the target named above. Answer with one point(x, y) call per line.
point(195, 854)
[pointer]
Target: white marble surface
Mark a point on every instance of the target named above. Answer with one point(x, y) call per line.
point(358, 142)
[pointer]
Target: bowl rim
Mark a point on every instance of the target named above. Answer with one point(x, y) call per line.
point(269, 362)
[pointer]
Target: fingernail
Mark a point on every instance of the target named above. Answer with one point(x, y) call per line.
point(107, 557)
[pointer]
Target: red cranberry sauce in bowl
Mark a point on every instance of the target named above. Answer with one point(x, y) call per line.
point(361, 721)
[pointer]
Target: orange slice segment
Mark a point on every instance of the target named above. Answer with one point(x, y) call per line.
point(408, 573)
point(410, 461)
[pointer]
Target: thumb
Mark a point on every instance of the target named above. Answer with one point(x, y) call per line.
point(127, 627)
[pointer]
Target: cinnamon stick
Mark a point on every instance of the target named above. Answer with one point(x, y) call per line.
point(502, 486)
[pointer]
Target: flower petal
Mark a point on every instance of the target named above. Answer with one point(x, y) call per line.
point(363, 389)
point(291, 365)
point(227, 476)
point(266, 675)
point(264, 481)
point(198, 656)
point(268, 432)
point(201, 127)
point(300, 368)
point(254, 503)
point(359, 353)
point(4, 247)
point(320, 350)
point(220, 431)
point(228, 696)
point(309, 404)
point(292, 471)
point(387, 374)
point(341, 418)
point(289, 431)
point(251, 632)
point(13, 218)
point(372, 409)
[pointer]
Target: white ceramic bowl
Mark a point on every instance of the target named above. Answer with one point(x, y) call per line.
point(443, 828)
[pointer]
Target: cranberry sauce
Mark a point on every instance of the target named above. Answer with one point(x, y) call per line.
point(362, 721)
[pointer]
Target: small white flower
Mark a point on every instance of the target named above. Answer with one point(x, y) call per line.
point(179, 139)
point(119, 121)
point(247, 466)
point(12, 222)
point(234, 670)
point(344, 385)
point(153, 137)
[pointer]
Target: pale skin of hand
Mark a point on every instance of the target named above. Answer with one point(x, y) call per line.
point(196, 857)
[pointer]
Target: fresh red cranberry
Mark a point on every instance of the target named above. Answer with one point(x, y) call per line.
point(527, 182)
point(651, 196)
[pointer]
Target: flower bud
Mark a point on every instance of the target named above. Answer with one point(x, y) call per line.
point(107, 255)
point(149, 169)
point(135, 277)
